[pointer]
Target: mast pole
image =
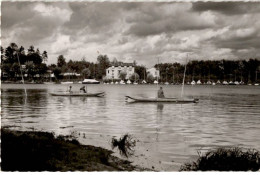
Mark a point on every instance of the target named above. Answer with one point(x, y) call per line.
point(21, 74)
point(184, 76)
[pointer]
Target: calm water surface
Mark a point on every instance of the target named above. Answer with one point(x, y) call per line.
point(167, 134)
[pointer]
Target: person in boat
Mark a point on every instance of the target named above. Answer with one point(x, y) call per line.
point(70, 91)
point(160, 93)
point(83, 89)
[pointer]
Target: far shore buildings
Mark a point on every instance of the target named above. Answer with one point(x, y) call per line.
point(113, 72)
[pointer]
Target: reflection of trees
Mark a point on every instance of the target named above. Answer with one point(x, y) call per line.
point(33, 104)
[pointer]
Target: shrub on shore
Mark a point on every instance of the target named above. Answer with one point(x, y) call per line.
point(226, 159)
point(125, 145)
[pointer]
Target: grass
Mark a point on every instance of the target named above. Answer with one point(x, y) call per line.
point(42, 151)
point(226, 159)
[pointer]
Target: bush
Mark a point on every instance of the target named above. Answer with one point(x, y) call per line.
point(226, 159)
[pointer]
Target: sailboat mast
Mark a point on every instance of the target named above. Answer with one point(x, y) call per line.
point(184, 77)
point(21, 74)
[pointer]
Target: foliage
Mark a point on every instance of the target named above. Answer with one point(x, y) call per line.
point(61, 61)
point(56, 72)
point(86, 72)
point(122, 75)
point(150, 78)
point(134, 77)
point(226, 159)
point(125, 145)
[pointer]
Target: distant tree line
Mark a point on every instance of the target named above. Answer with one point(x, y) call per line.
point(246, 71)
point(15, 60)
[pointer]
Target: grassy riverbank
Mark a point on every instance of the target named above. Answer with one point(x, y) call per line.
point(42, 151)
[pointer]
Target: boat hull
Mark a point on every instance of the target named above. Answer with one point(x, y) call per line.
point(78, 94)
point(163, 100)
point(90, 82)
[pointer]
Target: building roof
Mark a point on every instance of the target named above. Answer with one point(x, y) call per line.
point(121, 64)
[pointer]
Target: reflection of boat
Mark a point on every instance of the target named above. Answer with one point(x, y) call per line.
point(166, 100)
point(48, 82)
point(78, 94)
point(90, 81)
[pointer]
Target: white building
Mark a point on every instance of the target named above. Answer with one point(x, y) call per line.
point(155, 73)
point(114, 71)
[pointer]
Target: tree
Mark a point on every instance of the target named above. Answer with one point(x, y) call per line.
point(122, 75)
point(31, 50)
point(30, 68)
point(61, 61)
point(150, 78)
point(41, 69)
point(134, 77)
point(44, 56)
point(86, 72)
point(103, 64)
point(57, 72)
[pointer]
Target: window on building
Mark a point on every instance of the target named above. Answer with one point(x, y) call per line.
point(108, 71)
point(119, 71)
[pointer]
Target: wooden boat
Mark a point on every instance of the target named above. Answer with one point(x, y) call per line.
point(166, 100)
point(78, 94)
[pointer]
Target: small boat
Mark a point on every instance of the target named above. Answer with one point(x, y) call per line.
point(122, 82)
point(166, 100)
point(155, 82)
point(90, 81)
point(128, 82)
point(237, 83)
point(78, 94)
point(198, 82)
point(225, 83)
point(67, 82)
point(193, 82)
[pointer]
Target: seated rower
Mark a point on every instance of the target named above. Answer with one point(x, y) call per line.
point(83, 89)
point(160, 93)
point(70, 91)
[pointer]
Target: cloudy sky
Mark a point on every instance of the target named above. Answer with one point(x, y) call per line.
point(135, 31)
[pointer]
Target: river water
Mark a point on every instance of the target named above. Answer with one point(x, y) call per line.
point(167, 135)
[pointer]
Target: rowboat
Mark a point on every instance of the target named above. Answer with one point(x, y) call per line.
point(166, 100)
point(78, 94)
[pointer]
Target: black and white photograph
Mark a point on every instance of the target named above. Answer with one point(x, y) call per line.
point(140, 86)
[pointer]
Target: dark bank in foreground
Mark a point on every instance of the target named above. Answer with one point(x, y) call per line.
point(41, 151)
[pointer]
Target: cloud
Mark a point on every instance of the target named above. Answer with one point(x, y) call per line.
point(228, 8)
point(167, 18)
point(129, 31)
